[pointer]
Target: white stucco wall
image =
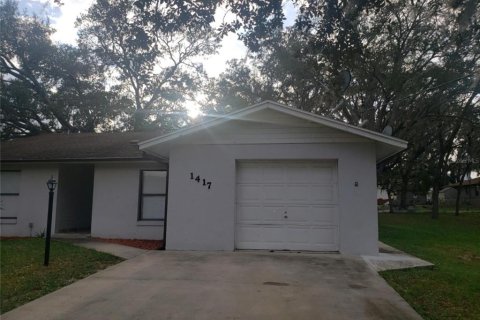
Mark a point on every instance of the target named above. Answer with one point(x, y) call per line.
point(202, 219)
point(115, 203)
point(31, 205)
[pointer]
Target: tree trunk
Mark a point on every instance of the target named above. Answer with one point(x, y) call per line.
point(138, 120)
point(390, 201)
point(459, 191)
point(436, 186)
point(457, 201)
point(435, 207)
point(403, 192)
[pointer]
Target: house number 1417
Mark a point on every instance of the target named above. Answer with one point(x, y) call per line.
point(208, 184)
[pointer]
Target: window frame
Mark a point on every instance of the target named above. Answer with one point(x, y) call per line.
point(11, 193)
point(141, 195)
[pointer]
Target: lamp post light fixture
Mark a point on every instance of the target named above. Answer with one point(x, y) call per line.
point(51, 184)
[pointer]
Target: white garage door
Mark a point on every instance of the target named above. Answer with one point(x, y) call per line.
point(287, 205)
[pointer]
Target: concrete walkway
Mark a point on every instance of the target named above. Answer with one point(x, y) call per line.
point(225, 285)
point(391, 258)
point(118, 250)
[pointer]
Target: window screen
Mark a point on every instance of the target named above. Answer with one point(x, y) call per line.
point(153, 195)
point(10, 182)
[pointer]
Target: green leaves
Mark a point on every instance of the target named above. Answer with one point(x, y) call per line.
point(52, 87)
point(153, 58)
point(406, 64)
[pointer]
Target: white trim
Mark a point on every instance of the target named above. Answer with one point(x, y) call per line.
point(372, 135)
point(149, 223)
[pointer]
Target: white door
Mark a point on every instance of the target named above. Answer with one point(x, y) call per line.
point(287, 205)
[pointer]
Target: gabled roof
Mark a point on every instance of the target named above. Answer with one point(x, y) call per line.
point(394, 145)
point(75, 147)
point(470, 182)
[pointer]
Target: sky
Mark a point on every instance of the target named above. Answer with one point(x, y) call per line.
point(62, 19)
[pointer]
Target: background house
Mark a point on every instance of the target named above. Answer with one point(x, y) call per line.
point(470, 193)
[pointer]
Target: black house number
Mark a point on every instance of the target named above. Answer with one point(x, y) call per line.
point(205, 183)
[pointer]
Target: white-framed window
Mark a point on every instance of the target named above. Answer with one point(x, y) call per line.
point(153, 195)
point(9, 192)
point(10, 182)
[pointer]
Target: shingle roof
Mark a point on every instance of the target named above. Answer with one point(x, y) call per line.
point(76, 146)
point(471, 182)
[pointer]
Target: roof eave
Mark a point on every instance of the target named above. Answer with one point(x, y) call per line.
point(78, 159)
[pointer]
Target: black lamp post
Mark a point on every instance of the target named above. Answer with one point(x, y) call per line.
point(51, 184)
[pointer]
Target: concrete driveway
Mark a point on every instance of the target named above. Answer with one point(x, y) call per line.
point(236, 285)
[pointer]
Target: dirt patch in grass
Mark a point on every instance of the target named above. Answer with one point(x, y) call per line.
point(136, 243)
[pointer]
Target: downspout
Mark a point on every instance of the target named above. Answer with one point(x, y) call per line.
point(166, 211)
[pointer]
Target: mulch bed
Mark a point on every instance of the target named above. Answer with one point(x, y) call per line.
point(136, 243)
point(13, 238)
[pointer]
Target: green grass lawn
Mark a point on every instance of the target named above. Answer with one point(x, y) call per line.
point(451, 290)
point(24, 278)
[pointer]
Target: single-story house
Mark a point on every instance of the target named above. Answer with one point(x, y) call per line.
point(470, 193)
point(412, 199)
point(265, 177)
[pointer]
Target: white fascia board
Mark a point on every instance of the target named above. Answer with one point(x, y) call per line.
point(399, 143)
point(389, 155)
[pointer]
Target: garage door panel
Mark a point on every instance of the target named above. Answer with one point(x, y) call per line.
point(273, 234)
point(296, 173)
point(298, 214)
point(325, 175)
point(273, 173)
point(273, 214)
point(298, 193)
point(250, 173)
point(249, 214)
point(312, 238)
point(249, 193)
point(250, 245)
point(247, 236)
point(310, 193)
point(324, 215)
point(259, 214)
point(297, 235)
point(311, 215)
point(273, 192)
point(323, 193)
point(327, 237)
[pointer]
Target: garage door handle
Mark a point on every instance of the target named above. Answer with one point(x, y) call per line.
point(286, 217)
